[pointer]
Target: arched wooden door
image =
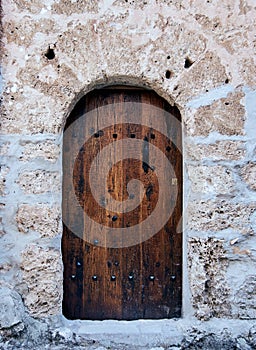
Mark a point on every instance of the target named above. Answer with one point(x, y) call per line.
point(115, 267)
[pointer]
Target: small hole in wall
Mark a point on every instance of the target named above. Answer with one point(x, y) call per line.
point(168, 74)
point(188, 63)
point(226, 81)
point(50, 54)
point(168, 57)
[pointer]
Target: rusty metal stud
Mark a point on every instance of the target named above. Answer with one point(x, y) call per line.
point(151, 277)
point(94, 278)
point(73, 277)
point(130, 277)
point(173, 278)
point(113, 278)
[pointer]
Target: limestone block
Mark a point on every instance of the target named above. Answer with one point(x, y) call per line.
point(210, 215)
point(220, 150)
point(41, 218)
point(39, 181)
point(204, 75)
point(12, 309)
point(42, 273)
point(247, 70)
point(207, 268)
point(30, 112)
point(35, 6)
point(226, 116)
point(4, 170)
point(70, 7)
point(245, 299)
point(43, 149)
point(211, 179)
point(17, 32)
point(249, 175)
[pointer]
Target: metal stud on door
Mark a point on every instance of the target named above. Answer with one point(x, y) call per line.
point(122, 207)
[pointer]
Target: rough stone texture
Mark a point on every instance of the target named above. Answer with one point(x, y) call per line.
point(245, 299)
point(42, 275)
point(200, 78)
point(220, 215)
point(4, 148)
point(47, 150)
point(12, 309)
point(197, 54)
point(4, 170)
point(40, 218)
point(249, 175)
point(39, 181)
point(203, 181)
point(220, 150)
point(225, 116)
point(207, 264)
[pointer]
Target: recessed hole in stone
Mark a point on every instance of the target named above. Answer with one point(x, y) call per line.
point(226, 81)
point(168, 57)
point(153, 136)
point(132, 136)
point(168, 74)
point(168, 148)
point(50, 54)
point(188, 63)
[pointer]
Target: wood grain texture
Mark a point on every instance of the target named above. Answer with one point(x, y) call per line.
point(143, 280)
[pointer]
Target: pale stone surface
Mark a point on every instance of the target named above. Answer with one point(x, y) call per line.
point(4, 170)
point(12, 309)
point(184, 50)
point(207, 74)
point(220, 150)
point(42, 149)
point(41, 218)
point(249, 175)
point(39, 181)
point(207, 265)
point(4, 148)
point(245, 300)
point(219, 215)
point(203, 181)
point(226, 116)
point(30, 115)
point(42, 275)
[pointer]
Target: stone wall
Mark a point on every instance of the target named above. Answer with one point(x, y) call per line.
point(199, 55)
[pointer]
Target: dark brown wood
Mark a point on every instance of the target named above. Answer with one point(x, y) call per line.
point(139, 281)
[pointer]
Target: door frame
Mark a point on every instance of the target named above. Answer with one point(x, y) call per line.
point(186, 308)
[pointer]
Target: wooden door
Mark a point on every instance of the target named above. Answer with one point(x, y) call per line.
point(134, 274)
